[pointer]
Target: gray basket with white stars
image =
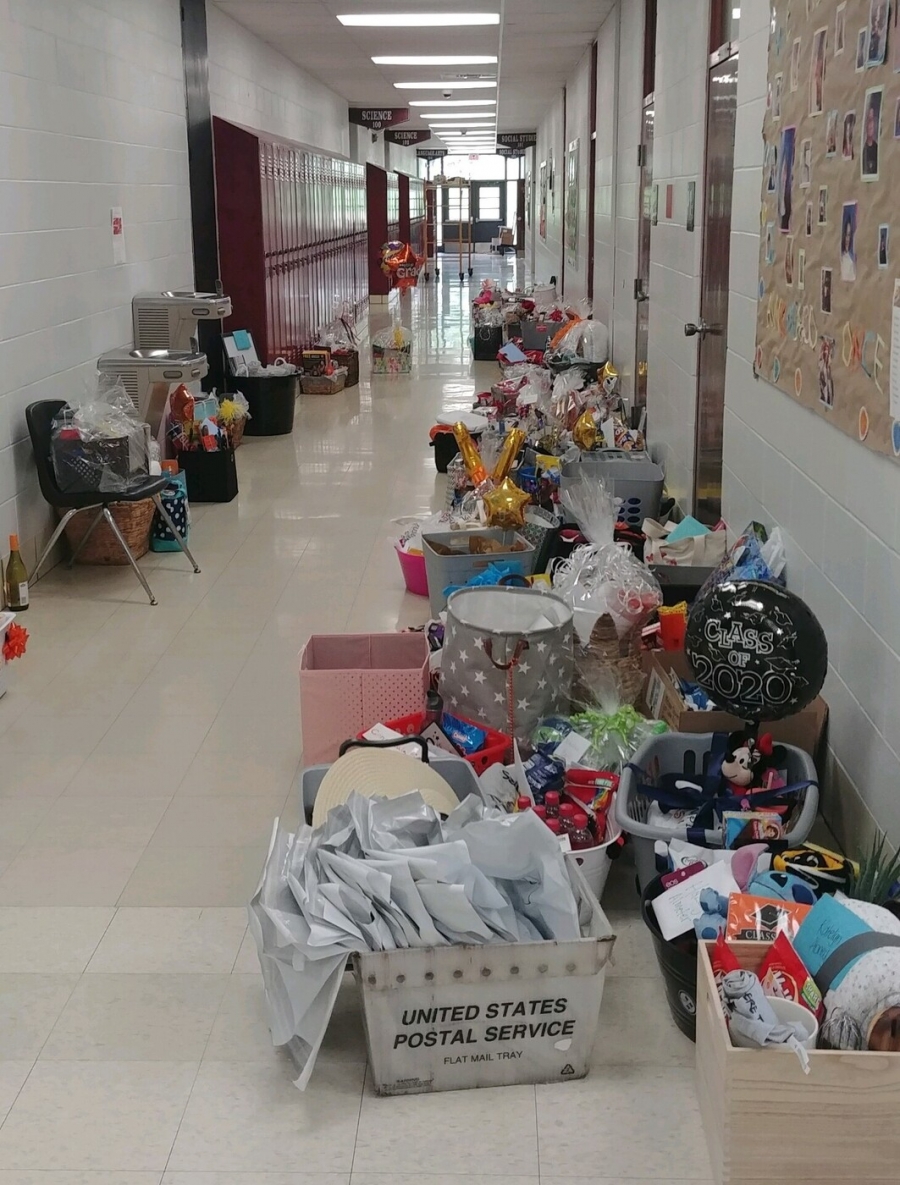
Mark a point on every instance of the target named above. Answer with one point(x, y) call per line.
point(507, 657)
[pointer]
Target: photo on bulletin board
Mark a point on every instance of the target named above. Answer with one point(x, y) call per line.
point(828, 318)
point(571, 218)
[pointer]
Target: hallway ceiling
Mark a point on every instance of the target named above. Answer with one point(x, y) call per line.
point(539, 43)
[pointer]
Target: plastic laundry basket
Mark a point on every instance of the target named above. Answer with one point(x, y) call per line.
point(631, 477)
point(689, 753)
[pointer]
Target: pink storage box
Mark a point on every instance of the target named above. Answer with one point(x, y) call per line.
point(348, 682)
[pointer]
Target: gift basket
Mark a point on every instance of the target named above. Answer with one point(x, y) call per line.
point(234, 412)
point(100, 443)
point(339, 337)
point(582, 343)
point(392, 351)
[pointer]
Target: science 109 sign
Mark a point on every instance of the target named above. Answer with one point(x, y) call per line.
point(756, 649)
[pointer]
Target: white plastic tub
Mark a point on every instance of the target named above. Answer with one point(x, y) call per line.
point(595, 863)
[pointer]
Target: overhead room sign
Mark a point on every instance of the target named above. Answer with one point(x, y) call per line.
point(377, 118)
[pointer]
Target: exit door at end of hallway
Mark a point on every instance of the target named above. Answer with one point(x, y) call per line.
point(712, 328)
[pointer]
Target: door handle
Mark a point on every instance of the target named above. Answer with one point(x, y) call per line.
point(701, 329)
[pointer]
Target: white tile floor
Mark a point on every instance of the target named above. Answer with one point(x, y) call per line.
point(143, 754)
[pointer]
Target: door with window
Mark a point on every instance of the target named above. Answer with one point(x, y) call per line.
point(712, 328)
point(454, 210)
point(488, 209)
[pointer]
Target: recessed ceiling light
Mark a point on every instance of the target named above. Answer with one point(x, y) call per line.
point(445, 86)
point(436, 60)
point(403, 20)
point(452, 102)
point(456, 124)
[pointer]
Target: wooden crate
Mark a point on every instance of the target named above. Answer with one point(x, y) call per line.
point(766, 1121)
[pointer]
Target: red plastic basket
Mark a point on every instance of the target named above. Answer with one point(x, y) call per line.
point(496, 746)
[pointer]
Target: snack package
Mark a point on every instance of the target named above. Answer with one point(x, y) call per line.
point(762, 919)
point(784, 974)
point(468, 738)
point(750, 826)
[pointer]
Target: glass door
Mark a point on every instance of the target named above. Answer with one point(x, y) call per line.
point(488, 209)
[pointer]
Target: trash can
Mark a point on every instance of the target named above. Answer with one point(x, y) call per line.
point(488, 342)
point(272, 399)
point(677, 963)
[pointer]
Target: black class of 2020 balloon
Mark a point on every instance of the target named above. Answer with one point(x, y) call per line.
point(756, 649)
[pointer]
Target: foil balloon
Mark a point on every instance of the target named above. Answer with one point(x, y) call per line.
point(756, 649)
point(470, 454)
point(505, 505)
point(400, 264)
point(515, 438)
point(609, 378)
point(585, 431)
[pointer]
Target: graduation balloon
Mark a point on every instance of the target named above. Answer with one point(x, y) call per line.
point(756, 649)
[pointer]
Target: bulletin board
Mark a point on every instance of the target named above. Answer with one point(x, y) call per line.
point(828, 318)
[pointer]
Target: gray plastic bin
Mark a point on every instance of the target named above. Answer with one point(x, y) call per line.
point(632, 477)
point(444, 570)
point(456, 770)
point(688, 753)
point(501, 1014)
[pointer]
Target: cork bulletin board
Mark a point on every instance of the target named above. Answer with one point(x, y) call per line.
point(828, 321)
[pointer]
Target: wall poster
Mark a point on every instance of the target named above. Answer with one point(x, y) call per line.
point(828, 320)
point(542, 196)
point(571, 215)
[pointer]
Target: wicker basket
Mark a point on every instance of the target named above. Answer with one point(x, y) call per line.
point(133, 519)
point(323, 384)
point(350, 360)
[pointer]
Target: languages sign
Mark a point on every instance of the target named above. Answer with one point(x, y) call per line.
point(520, 140)
point(377, 118)
point(431, 153)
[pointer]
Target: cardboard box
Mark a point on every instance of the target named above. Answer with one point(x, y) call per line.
point(765, 1120)
point(663, 701)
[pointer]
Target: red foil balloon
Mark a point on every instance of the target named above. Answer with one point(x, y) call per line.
point(401, 264)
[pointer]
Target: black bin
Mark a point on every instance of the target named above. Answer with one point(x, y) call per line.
point(272, 400)
point(488, 342)
point(445, 449)
point(211, 477)
point(678, 964)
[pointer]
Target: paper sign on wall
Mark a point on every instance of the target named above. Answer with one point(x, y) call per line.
point(117, 226)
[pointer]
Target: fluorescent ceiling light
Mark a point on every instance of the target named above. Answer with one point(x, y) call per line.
point(446, 116)
point(465, 85)
point(436, 60)
point(452, 102)
point(403, 20)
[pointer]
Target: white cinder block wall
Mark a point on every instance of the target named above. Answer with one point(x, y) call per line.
point(551, 143)
point(619, 124)
point(91, 116)
point(578, 127)
point(836, 500)
point(675, 254)
point(605, 172)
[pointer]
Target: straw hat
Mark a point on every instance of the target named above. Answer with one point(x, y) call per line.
point(380, 773)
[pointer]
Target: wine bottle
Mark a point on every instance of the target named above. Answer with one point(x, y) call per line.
point(16, 581)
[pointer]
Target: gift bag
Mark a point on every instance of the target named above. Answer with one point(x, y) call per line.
point(507, 658)
point(175, 499)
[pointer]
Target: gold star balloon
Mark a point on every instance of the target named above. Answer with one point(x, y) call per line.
point(505, 505)
point(585, 431)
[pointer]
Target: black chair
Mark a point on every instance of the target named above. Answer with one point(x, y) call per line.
point(40, 417)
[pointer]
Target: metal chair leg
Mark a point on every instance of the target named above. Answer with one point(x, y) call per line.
point(179, 539)
point(60, 527)
point(114, 527)
point(86, 536)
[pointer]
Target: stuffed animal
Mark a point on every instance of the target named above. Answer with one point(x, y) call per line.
point(711, 922)
point(748, 758)
point(783, 886)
